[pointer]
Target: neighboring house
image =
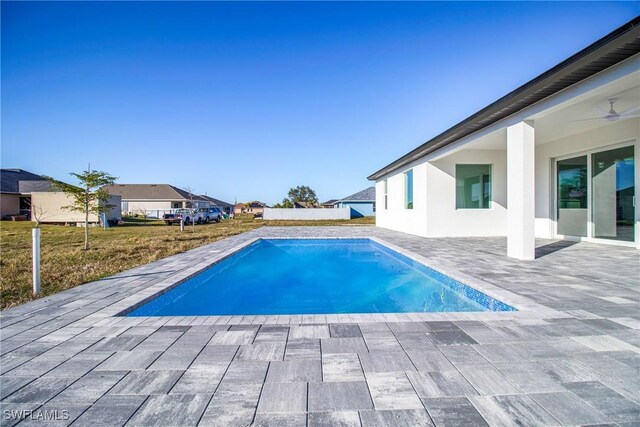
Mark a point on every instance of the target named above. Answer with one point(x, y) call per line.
point(26, 193)
point(48, 207)
point(16, 186)
point(252, 207)
point(555, 158)
point(155, 199)
point(329, 204)
point(257, 207)
point(226, 207)
point(362, 203)
point(239, 208)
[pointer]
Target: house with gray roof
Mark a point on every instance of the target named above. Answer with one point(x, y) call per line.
point(155, 199)
point(329, 204)
point(16, 186)
point(556, 158)
point(362, 203)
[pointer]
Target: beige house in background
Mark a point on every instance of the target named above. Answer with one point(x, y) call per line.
point(16, 188)
point(254, 207)
point(48, 207)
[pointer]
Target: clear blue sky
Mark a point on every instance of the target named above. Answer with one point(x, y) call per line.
point(245, 100)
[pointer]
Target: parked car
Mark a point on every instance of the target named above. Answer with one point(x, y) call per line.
point(208, 215)
point(188, 215)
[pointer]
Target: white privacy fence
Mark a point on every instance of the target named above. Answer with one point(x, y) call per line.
point(153, 213)
point(306, 214)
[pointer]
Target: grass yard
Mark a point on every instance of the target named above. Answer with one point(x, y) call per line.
point(64, 264)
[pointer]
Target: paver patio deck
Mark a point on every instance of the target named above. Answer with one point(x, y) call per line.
point(571, 356)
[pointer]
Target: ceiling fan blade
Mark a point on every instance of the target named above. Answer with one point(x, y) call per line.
point(629, 111)
point(601, 111)
point(586, 120)
point(628, 116)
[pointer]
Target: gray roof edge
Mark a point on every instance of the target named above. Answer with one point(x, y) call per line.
point(628, 31)
point(369, 191)
point(214, 200)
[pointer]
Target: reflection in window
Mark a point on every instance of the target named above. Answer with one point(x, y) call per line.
point(572, 196)
point(572, 183)
point(385, 194)
point(473, 186)
point(408, 189)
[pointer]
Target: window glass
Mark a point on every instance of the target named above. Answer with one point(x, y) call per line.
point(408, 189)
point(473, 186)
point(385, 194)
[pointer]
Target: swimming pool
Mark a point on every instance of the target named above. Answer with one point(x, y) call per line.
point(317, 276)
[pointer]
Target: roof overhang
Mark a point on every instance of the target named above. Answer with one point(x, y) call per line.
point(615, 47)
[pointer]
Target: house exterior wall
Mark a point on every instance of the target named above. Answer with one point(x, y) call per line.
point(435, 214)
point(396, 216)
point(9, 204)
point(358, 209)
point(444, 220)
point(48, 206)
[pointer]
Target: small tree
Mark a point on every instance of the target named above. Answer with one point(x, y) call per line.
point(286, 203)
point(38, 214)
point(89, 197)
point(302, 193)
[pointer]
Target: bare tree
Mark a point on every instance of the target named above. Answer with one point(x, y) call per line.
point(38, 214)
point(193, 209)
point(143, 212)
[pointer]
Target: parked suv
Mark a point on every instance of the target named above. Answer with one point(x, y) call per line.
point(208, 215)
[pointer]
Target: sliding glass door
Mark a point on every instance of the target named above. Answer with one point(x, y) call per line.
point(595, 195)
point(613, 183)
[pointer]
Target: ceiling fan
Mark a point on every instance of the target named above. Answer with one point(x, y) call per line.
point(612, 115)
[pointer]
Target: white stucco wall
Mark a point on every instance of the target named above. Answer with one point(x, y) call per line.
point(434, 213)
point(444, 220)
point(396, 216)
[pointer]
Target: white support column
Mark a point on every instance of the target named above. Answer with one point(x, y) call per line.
point(520, 191)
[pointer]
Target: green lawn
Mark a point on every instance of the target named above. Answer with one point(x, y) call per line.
point(64, 264)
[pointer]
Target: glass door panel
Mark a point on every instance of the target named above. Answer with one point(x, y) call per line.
point(572, 196)
point(613, 194)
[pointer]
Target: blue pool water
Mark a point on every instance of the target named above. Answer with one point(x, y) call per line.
point(317, 276)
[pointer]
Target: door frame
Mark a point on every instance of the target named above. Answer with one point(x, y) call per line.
point(590, 226)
